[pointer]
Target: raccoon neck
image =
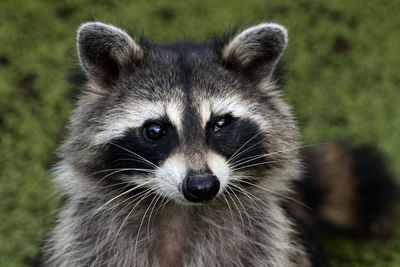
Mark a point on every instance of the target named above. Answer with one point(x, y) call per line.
point(232, 235)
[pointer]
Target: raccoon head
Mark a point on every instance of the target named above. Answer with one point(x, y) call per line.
point(185, 121)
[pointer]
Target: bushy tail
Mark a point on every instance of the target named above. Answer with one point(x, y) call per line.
point(348, 188)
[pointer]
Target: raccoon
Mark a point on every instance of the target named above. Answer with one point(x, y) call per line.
point(179, 154)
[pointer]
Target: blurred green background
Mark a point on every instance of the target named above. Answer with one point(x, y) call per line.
point(343, 78)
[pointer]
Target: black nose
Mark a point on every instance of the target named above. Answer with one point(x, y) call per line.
point(200, 188)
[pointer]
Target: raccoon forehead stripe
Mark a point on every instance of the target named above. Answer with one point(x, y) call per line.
point(233, 105)
point(133, 115)
point(174, 111)
point(236, 106)
point(205, 112)
point(221, 106)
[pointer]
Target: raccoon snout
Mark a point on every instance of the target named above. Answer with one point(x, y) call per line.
point(200, 188)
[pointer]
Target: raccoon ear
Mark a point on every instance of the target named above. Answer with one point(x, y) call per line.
point(105, 50)
point(257, 49)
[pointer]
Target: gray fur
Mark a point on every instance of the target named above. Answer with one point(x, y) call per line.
point(259, 46)
point(100, 46)
point(102, 224)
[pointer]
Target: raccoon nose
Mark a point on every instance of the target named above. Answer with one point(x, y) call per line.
point(200, 188)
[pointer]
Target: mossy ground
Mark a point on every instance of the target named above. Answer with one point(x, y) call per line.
point(343, 80)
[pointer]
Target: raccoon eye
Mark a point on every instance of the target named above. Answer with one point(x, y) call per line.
point(154, 132)
point(222, 122)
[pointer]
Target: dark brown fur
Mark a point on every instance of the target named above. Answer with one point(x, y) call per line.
point(347, 188)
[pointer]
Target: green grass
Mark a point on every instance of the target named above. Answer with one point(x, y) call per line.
point(343, 62)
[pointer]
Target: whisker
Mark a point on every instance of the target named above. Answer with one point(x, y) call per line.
point(240, 203)
point(257, 164)
point(273, 192)
point(255, 157)
point(237, 208)
point(234, 155)
point(133, 159)
point(135, 196)
point(229, 206)
point(124, 170)
point(129, 214)
point(247, 159)
point(118, 196)
point(141, 223)
point(112, 185)
point(137, 155)
point(244, 151)
point(248, 194)
point(165, 201)
point(151, 212)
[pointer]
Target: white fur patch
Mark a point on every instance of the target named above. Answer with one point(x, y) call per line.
point(221, 106)
point(218, 167)
point(205, 112)
point(239, 108)
point(234, 105)
point(174, 112)
point(133, 115)
point(169, 177)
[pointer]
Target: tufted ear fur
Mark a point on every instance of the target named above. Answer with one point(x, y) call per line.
point(105, 50)
point(257, 49)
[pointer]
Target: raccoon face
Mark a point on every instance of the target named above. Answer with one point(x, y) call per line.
point(184, 121)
